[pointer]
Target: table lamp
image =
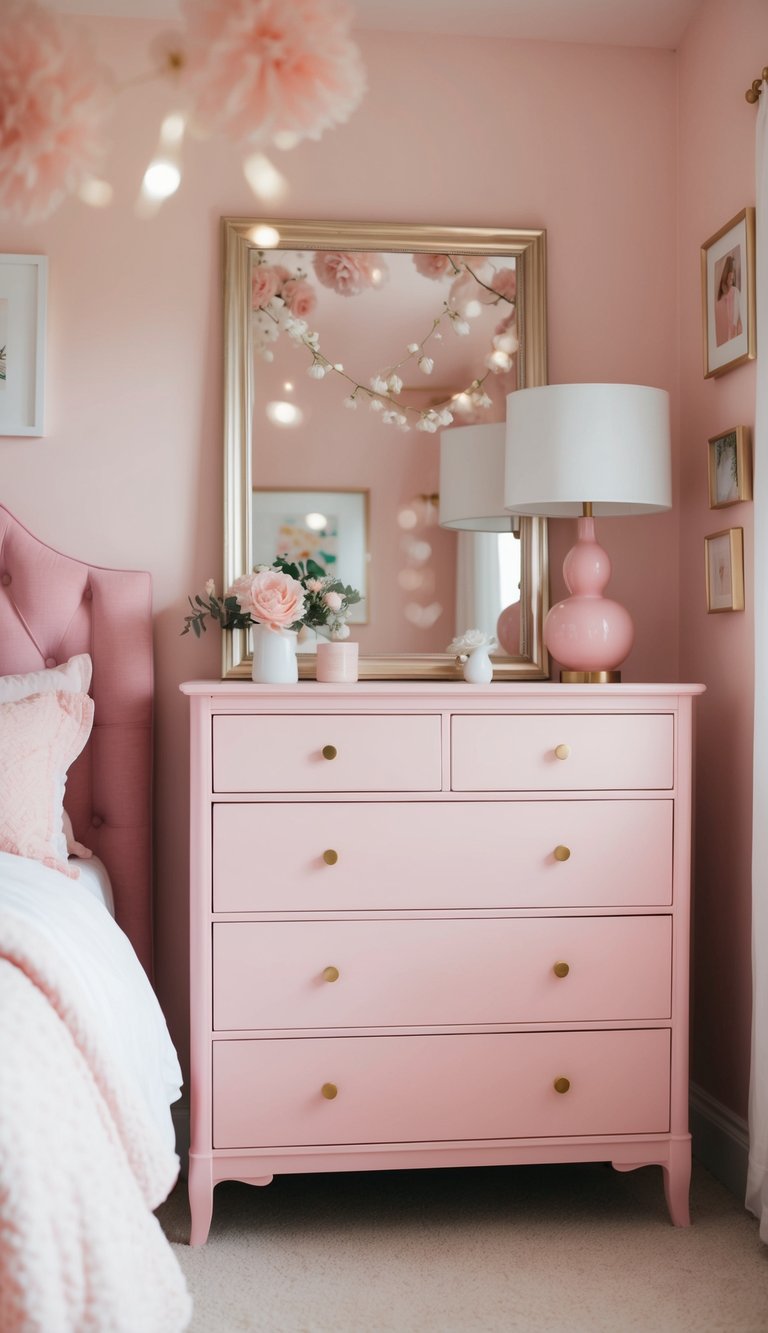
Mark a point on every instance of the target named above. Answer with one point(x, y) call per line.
point(472, 500)
point(585, 450)
point(472, 479)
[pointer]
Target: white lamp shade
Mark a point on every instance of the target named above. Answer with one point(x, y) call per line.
point(608, 444)
point(472, 479)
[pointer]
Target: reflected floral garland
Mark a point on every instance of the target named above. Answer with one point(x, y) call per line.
point(282, 300)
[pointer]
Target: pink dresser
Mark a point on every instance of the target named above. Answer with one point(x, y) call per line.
point(438, 925)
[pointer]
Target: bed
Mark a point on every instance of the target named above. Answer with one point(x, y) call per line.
point(88, 1068)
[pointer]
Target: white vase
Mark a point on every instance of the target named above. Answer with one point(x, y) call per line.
point(478, 668)
point(274, 656)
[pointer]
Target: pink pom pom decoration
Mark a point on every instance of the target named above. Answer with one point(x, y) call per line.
point(53, 98)
point(257, 68)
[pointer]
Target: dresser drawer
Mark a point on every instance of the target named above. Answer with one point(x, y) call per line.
point(326, 753)
point(440, 973)
point(382, 855)
point(432, 1089)
point(562, 752)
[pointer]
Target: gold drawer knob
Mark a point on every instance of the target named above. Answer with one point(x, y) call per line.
point(331, 974)
point(562, 751)
point(561, 969)
point(331, 857)
point(562, 853)
point(329, 752)
point(329, 1091)
point(561, 1084)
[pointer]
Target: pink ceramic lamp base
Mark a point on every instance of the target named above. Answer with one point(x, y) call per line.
point(587, 633)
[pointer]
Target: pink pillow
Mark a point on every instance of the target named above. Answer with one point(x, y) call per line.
point(73, 676)
point(40, 736)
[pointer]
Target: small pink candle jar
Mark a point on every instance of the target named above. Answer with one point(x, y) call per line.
point(336, 663)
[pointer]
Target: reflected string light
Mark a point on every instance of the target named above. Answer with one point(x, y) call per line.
point(95, 193)
point(410, 580)
point(282, 413)
point(316, 522)
point(423, 617)
point(407, 518)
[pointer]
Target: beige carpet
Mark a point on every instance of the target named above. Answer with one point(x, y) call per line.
point(536, 1248)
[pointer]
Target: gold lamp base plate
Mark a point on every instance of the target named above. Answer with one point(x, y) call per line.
point(590, 677)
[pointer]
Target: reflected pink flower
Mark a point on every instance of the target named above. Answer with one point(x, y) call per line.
point(505, 283)
point(265, 283)
point(348, 274)
point(433, 266)
point(260, 67)
point(299, 296)
point(53, 98)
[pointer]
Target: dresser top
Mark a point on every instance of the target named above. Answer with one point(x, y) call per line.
point(443, 694)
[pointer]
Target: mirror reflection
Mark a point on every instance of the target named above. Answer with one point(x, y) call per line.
point(360, 356)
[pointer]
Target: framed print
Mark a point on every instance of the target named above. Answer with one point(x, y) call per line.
point(724, 556)
point(23, 286)
point(728, 294)
point(330, 527)
point(729, 468)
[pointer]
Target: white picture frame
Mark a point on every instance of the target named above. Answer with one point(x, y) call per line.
point(23, 297)
point(275, 509)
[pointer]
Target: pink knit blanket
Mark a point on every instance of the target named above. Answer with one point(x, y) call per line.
point(82, 1164)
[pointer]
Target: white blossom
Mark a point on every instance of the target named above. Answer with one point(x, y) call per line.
point(376, 405)
point(317, 371)
point(466, 643)
point(412, 347)
point(351, 402)
point(394, 384)
point(426, 365)
point(378, 384)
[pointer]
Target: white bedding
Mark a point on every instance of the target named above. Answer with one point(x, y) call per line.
point(94, 877)
point(71, 915)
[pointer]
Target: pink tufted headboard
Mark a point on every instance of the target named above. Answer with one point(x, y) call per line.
point(52, 607)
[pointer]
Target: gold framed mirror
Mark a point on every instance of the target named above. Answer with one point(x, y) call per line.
point(380, 299)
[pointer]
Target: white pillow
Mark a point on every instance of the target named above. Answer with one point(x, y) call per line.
point(73, 677)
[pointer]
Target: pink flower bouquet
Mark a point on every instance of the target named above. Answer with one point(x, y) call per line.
point(283, 595)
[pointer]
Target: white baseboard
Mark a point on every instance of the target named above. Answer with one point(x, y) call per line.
point(720, 1140)
point(180, 1117)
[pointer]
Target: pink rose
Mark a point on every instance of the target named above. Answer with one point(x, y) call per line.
point(270, 597)
point(332, 601)
point(299, 296)
point(265, 283)
point(433, 266)
point(349, 274)
point(505, 283)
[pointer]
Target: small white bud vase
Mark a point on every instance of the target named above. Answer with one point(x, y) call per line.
point(274, 656)
point(337, 662)
point(478, 668)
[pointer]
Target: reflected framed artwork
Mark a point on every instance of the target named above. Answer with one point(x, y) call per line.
point(23, 286)
point(729, 467)
point(724, 558)
point(327, 526)
point(728, 295)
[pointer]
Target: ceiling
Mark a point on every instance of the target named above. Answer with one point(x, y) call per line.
point(654, 23)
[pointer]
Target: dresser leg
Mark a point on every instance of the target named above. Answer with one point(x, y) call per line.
point(677, 1182)
point(200, 1198)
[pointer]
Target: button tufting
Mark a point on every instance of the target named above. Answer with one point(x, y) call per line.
point(50, 661)
point(97, 821)
point(5, 580)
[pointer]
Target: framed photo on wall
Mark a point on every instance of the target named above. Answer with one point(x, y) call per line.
point(23, 284)
point(329, 527)
point(729, 467)
point(724, 558)
point(728, 294)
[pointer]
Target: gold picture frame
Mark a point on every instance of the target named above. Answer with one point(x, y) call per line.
point(724, 564)
point(729, 467)
point(728, 295)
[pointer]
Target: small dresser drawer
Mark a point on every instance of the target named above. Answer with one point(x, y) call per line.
point(440, 973)
point(562, 752)
point(384, 855)
point(314, 753)
point(327, 1090)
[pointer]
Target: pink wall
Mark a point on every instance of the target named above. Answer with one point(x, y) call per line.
point(576, 139)
point(725, 48)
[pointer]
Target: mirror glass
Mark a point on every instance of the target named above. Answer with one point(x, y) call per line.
point(349, 351)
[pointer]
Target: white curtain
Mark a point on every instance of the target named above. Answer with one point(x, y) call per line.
point(757, 1177)
point(478, 582)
